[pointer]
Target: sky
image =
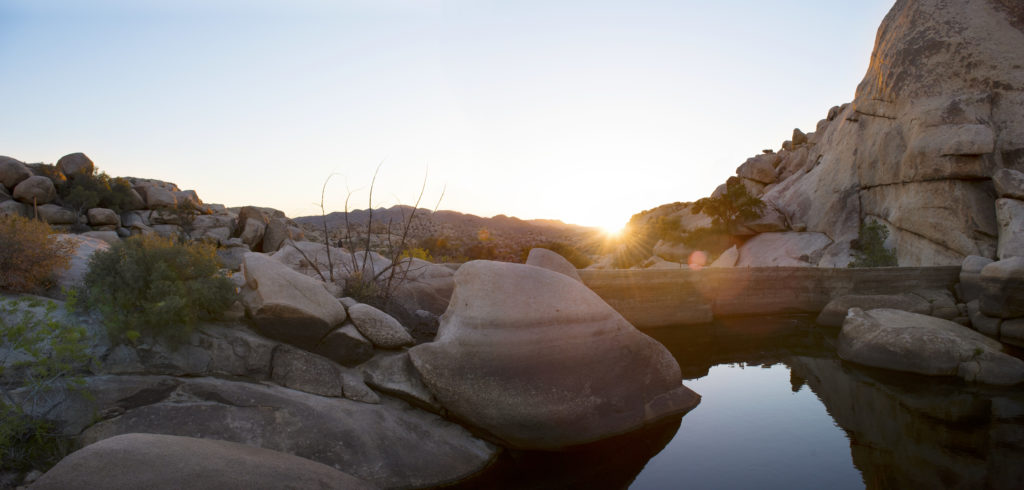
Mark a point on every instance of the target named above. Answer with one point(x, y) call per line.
point(583, 111)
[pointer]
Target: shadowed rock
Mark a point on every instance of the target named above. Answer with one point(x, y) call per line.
point(539, 361)
point(287, 305)
point(153, 462)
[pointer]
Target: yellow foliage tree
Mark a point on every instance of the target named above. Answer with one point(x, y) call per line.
point(30, 255)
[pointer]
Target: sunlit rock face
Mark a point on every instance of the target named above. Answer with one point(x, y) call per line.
point(539, 361)
point(939, 111)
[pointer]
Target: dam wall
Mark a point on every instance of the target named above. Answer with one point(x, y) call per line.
point(664, 297)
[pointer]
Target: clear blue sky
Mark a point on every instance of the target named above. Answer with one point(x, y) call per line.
point(583, 111)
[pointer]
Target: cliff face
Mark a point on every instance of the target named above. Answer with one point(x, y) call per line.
point(940, 109)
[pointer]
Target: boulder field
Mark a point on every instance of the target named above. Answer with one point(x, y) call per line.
point(525, 357)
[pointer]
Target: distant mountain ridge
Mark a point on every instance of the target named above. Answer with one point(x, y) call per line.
point(445, 219)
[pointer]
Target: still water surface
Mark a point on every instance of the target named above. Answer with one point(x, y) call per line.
point(779, 410)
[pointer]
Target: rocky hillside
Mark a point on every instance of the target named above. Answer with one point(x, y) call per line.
point(931, 147)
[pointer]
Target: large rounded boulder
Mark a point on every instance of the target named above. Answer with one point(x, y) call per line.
point(157, 461)
point(540, 361)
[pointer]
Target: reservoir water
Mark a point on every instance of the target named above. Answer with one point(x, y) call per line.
point(779, 410)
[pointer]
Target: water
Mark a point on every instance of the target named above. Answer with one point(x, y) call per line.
point(751, 427)
point(779, 410)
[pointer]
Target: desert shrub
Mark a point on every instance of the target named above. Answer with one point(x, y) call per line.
point(365, 290)
point(46, 354)
point(417, 253)
point(83, 192)
point(869, 248)
point(440, 247)
point(30, 254)
point(157, 287)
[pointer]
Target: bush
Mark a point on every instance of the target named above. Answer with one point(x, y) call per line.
point(46, 354)
point(157, 287)
point(83, 192)
point(869, 248)
point(30, 255)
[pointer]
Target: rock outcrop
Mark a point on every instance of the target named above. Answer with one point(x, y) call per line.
point(383, 443)
point(539, 361)
point(904, 341)
point(934, 135)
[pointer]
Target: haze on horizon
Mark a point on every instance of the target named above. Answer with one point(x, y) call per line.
point(587, 112)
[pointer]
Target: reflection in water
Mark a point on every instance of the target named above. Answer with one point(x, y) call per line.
point(780, 410)
point(611, 463)
point(913, 432)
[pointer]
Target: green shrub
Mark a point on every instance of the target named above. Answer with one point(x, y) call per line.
point(30, 255)
point(869, 248)
point(45, 354)
point(83, 192)
point(157, 287)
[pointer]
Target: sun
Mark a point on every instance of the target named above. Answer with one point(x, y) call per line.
point(612, 230)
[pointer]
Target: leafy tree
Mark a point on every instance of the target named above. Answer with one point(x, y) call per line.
point(733, 207)
point(155, 286)
point(869, 248)
point(45, 354)
point(30, 254)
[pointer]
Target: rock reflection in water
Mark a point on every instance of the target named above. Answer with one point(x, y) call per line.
point(917, 432)
point(612, 463)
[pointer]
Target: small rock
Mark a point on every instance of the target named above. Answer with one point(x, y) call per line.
point(356, 390)
point(1002, 288)
point(1010, 216)
point(304, 371)
point(346, 346)
point(102, 217)
point(1009, 183)
point(380, 328)
point(56, 215)
point(799, 138)
point(1012, 332)
point(970, 276)
point(984, 324)
point(395, 375)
